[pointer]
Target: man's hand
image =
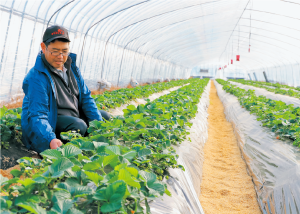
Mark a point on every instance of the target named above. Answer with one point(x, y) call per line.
point(55, 143)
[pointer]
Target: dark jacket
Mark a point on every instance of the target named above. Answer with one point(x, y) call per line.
point(66, 94)
point(39, 109)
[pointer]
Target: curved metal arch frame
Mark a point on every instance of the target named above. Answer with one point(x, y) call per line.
point(160, 51)
point(133, 24)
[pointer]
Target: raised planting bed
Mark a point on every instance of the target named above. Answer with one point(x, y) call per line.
point(276, 88)
point(11, 145)
point(118, 168)
point(266, 130)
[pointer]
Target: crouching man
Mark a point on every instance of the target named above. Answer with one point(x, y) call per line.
point(56, 97)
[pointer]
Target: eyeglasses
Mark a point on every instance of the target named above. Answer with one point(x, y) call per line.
point(57, 53)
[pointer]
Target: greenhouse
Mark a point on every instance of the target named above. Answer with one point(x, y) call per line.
point(150, 106)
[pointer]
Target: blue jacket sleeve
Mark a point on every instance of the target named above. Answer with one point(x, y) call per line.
point(40, 131)
point(88, 104)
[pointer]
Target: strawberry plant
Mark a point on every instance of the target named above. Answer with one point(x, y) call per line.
point(116, 98)
point(281, 118)
point(276, 88)
point(10, 119)
point(10, 125)
point(118, 168)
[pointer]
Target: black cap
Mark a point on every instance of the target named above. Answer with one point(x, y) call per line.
point(55, 32)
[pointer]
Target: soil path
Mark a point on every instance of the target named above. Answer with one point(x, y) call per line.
point(226, 186)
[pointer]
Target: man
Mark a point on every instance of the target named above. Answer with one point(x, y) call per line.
point(56, 97)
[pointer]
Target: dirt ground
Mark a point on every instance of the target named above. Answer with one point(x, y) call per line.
point(226, 187)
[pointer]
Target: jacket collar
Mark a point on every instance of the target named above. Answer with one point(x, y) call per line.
point(40, 66)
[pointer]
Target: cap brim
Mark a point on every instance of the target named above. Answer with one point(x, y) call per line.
point(57, 37)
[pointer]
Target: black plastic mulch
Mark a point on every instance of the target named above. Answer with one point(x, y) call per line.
point(15, 151)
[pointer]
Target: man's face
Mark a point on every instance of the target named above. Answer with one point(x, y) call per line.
point(56, 47)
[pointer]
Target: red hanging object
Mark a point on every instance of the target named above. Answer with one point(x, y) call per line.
point(237, 57)
point(249, 48)
point(225, 66)
point(232, 61)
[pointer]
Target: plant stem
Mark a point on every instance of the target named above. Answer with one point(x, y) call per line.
point(4, 192)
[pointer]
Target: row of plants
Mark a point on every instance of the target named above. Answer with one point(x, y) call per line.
point(119, 168)
point(281, 118)
point(112, 99)
point(10, 125)
point(273, 87)
point(10, 119)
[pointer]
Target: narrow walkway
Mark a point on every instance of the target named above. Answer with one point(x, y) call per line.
point(226, 187)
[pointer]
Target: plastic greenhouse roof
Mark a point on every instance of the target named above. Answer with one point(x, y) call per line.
point(182, 33)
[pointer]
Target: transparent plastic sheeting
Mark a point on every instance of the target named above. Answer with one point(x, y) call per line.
point(185, 185)
point(261, 91)
point(273, 164)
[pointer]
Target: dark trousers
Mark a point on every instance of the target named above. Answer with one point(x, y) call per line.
point(67, 123)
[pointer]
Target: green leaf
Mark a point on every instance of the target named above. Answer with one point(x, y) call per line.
point(62, 206)
point(167, 192)
point(111, 196)
point(32, 208)
point(70, 151)
point(60, 165)
point(97, 164)
point(75, 191)
point(158, 187)
point(130, 155)
point(148, 176)
point(40, 180)
point(112, 150)
point(57, 174)
point(95, 124)
point(125, 112)
point(147, 207)
point(167, 116)
point(88, 146)
point(2, 111)
point(144, 152)
point(74, 211)
point(99, 144)
point(96, 178)
point(51, 154)
point(140, 125)
point(180, 122)
point(3, 179)
point(132, 171)
point(99, 138)
point(26, 182)
point(8, 203)
point(3, 204)
point(117, 123)
point(137, 116)
point(61, 195)
point(140, 108)
point(129, 120)
point(111, 159)
point(75, 161)
point(131, 107)
point(126, 176)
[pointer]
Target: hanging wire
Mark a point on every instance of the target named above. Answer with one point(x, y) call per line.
point(250, 26)
point(232, 51)
point(239, 41)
